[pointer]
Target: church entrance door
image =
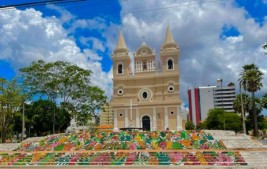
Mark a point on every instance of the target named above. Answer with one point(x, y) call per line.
point(146, 123)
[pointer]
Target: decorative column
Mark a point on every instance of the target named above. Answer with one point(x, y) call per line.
point(126, 123)
point(154, 119)
point(137, 118)
point(179, 118)
point(115, 121)
point(166, 117)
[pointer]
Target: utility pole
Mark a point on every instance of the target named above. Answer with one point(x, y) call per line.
point(221, 80)
point(23, 121)
point(242, 110)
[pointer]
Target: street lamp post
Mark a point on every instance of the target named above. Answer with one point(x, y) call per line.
point(220, 81)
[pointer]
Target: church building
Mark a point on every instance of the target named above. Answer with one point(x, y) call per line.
point(147, 96)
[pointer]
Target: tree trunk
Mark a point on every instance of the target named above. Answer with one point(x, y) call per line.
point(3, 136)
point(254, 115)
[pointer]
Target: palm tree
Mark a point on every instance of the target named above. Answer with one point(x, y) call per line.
point(241, 105)
point(237, 103)
point(264, 101)
point(265, 47)
point(250, 79)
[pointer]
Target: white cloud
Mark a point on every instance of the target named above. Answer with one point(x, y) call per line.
point(26, 36)
point(95, 23)
point(96, 43)
point(204, 55)
point(65, 15)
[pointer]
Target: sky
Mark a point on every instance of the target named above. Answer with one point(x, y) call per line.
point(215, 37)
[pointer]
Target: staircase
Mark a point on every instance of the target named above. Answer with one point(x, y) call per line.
point(8, 146)
point(255, 159)
point(233, 141)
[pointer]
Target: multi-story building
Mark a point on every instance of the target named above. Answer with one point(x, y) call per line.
point(148, 96)
point(202, 99)
point(224, 97)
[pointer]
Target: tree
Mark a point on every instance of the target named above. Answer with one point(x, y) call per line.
point(65, 81)
point(265, 47)
point(233, 122)
point(201, 125)
point(10, 102)
point(265, 123)
point(215, 119)
point(250, 79)
point(40, 116)
point(241, 103)
point(264, 101)
point(17, 123)
point(237, 103)
point(250, 117)
point(189, 125)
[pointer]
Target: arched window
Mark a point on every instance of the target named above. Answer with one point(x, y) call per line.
point(170, 64)
point(120, 68)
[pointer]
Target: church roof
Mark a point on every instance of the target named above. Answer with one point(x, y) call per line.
point(169, 37)
point(169, 40)
point(121, 45)
point(144, 49)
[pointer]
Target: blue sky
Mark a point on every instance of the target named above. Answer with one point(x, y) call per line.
point(216, 37)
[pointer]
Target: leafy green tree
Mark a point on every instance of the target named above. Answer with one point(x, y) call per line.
point(17, 123)
point(10, 102)
point(265, 123)
point(237, 103)
point(264, 101)
point(67, 82)
point(215, 119)
point(189, 125)
point(237, 106)
point(201, 125)
point(250, 79)
point(265, 47)
point(40, 115)
point(250, 117)
point(233, 122)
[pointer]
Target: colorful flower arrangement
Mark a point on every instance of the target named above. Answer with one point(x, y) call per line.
point(72, 149)
point(124, 158)
point(134, 140)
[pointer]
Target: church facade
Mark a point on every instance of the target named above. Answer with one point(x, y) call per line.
point(147, 96)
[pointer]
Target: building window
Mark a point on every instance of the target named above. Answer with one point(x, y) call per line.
point(138, 66)
point(171, 89)
point(120, 92)
point(120, 68)
point(144, 95)
point(120, 114)
point(172, 113)
point(144, 66)
point(170, 64)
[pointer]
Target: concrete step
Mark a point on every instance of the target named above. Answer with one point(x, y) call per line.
point(255, 158)
point(8, 146)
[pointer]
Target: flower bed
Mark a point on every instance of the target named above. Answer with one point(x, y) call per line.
point(125, 140)
point(124, 158)
point(134, 140)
